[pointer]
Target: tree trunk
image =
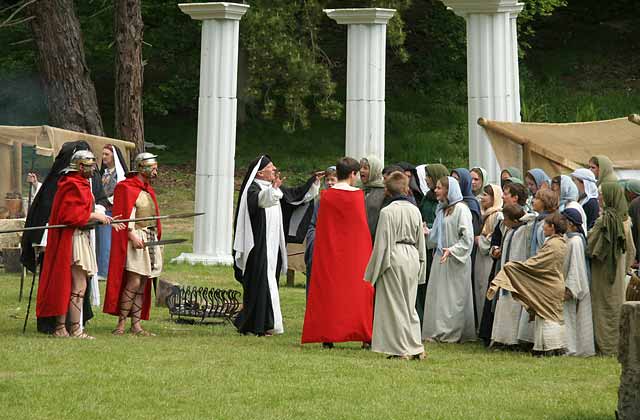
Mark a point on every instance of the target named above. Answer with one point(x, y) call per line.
point(129, 72)
point(71, 96)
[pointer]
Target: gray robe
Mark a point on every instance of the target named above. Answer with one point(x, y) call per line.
point(448, 314)
point(396, 267)
point(577, 311)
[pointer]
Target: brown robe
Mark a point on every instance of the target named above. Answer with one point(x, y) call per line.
point(538, 283)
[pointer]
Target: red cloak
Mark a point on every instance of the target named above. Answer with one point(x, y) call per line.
point(340, 303)
point(124, 199)
point(72, 205)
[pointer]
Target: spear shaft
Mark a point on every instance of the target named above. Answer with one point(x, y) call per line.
point(92, 225)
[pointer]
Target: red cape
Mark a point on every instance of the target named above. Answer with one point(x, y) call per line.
point(72, 205)
point(340, 303)
point(124, 198)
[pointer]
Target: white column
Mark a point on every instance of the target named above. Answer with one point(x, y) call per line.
point(217, 107)
point(492, 71)
point(366, 64)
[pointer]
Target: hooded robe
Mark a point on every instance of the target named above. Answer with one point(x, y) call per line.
point(72, 206)
point(39, 213)
point(259, 249)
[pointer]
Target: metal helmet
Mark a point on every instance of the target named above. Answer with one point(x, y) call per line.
point(144, 163)
point(82, 161)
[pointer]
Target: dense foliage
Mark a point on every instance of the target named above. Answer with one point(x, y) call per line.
point(292, 55)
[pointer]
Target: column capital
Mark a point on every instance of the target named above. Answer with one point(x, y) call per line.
point(360, 16)
point(467, 7)
point(218, 10)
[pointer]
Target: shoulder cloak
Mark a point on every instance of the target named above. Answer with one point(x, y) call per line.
point(72, 205)
point(124, 199)
point(340, 303)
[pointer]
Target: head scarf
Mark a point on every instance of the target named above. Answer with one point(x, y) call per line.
point(633, 185)
point(119, 164)
point(589, 181)
point(568, 191)
point(575, 218)
point(607, 241)
point(606, 170)
point(422, 181)
point(540, 177)
point(375, 173)
point(454, 196)
point(513, 172)
point(514, 180)
point(467, 193)
point(485, 180)
point(491, 214)
point(413, 181)
point(435, 171)
point(243, 239)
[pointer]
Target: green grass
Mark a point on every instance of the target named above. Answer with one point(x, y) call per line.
point(198, 372)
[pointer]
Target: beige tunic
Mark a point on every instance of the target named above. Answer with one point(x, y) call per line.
point(607, 297)
point(140, 261)
point(84, 254)
point(396, 267)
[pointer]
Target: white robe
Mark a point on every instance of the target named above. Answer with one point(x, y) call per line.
point(269, 200)
point(396, 267)
point(508, 311)
point(577, 311)
point(448, 314)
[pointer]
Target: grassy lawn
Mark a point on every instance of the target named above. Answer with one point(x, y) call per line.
point(198, 372)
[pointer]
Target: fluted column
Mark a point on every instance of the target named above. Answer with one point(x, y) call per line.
point(366, 64)
point(492, 71)
point(217, 107)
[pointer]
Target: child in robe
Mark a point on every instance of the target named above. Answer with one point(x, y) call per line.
point(538, 283)
point(577, 298)
point(396, 267)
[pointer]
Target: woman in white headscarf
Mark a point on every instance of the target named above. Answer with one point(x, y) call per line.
point(448, 315)
point(112, 171)
point(569, 198)
point(588, 194)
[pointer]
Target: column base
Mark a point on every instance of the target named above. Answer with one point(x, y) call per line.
point(187, 257)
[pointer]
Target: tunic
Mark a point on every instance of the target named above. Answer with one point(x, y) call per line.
point(577, 311)
point(608, 295)
point(449, 313)
point(396, 267)
point(146, 261)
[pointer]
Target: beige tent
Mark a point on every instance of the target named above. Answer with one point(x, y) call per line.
point(561, 148)
point(47, 142)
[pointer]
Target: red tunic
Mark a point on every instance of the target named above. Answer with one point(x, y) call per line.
point(124, 199)
point(72, 205)
point(340, 303)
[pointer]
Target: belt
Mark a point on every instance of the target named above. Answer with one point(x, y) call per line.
point(406, 243)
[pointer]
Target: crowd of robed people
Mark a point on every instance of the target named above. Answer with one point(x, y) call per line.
point(401, 255)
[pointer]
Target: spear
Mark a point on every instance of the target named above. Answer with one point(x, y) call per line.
point(92, 225)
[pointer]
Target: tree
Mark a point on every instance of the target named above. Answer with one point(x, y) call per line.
point(128, 28)
point(65, 77)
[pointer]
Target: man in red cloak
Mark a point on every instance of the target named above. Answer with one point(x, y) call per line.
point(132, 263)
point(340, 303)
point(69, 257)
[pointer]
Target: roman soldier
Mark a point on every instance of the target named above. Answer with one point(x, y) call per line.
point(69, 257)
point(132, 263)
